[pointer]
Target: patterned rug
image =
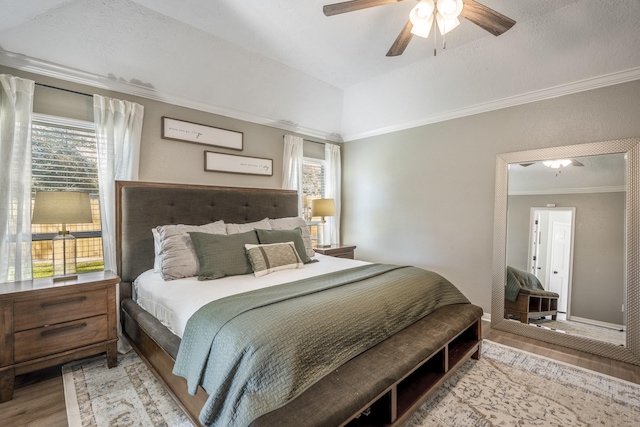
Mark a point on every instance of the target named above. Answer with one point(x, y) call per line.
point(506, 387)
point(127, 395)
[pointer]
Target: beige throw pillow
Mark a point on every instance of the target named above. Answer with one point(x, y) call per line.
point(266, 259)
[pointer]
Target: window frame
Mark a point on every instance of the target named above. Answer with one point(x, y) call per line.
point(64, 122)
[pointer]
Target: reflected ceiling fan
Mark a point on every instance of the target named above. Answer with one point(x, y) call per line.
point(444, 12)
point(556, 164)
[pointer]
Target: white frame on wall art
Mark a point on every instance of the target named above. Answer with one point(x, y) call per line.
point(235, 163)
point(180, 130)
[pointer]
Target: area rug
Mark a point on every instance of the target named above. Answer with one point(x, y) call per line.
point(506, 387)
point(127, 395)
point(509, 387)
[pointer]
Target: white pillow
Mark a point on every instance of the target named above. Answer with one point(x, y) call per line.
point(178, 257)
point(291, 223)
point(157, 251)
point(263, 224)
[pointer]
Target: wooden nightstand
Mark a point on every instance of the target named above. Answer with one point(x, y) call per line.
point(338, 251)
point(43, 323)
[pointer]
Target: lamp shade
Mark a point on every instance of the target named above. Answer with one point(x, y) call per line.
point(323, 207)
point(61, 207)
point(421, 17)
point(450, 9)
point(446, 25)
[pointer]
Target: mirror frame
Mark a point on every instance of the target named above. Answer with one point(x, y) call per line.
point(631, 147)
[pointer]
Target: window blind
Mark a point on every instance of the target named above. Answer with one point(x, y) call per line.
point(313, 179)
point(63, 158)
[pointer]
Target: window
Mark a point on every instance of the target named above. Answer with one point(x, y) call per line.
point(312, 181)
point(64, 157)
point(312, 188)
point(313, 167)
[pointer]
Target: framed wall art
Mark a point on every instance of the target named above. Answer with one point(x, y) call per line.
point(179, 130)
point(235, 163)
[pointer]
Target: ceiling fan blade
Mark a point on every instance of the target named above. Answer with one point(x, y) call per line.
point(486, 18)
point(524, 165)
point(350, 6)
point(402, 41)
point(574, 162)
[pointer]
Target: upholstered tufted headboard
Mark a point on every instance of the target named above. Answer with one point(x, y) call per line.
point(140, 206)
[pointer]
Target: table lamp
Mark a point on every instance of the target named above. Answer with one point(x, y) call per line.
point(62, 207)
point(323, 208)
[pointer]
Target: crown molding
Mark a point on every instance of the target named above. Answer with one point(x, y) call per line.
point(49, 69)
point(539, 95)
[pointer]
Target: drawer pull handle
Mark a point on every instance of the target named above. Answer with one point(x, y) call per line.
point(62, 301)
point(62, 330)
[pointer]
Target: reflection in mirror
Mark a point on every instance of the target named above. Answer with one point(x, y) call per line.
point(565, 249)
point(591, 271)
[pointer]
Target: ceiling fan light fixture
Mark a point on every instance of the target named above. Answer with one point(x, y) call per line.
point(450, 9)
point(423, 30)
point(424, 13)
point(421, 17)
point(446, 25)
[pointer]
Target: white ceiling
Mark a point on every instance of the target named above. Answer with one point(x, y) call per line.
point(283, 63)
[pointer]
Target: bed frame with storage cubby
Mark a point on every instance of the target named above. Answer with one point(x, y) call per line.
point(380, 387)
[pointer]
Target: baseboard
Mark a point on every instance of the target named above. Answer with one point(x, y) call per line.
point(486, 317)
point(598, 323)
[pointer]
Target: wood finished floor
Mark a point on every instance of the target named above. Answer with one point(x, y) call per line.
point(39, 396)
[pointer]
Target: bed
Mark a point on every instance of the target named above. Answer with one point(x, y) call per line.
point(380, 385)
point(525, 298)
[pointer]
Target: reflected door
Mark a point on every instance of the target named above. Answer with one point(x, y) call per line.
point(560, 263)
point(550, 251)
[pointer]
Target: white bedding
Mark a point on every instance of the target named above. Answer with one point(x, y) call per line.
point(173, 302)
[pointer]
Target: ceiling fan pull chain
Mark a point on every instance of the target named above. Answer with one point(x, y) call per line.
point(444, 34)
point(435, 40)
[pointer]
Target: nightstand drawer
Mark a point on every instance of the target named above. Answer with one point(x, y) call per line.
point(337, 251)
point(348, 254)
point(38, 312)
point(39, 342)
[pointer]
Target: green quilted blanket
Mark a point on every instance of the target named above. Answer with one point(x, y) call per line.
point(518, 279)
point(256, 351)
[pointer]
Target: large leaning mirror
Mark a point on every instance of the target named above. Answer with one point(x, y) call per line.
point(566, 247)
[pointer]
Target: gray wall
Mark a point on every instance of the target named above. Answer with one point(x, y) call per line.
point(424, 196)
point(163, 160)
point(599, 246)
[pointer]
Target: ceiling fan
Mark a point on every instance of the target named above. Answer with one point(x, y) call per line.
point(444, 12)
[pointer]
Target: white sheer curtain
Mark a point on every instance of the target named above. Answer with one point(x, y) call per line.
point(118, 133)
point(332, 185)
point(16, 111)
point(292, 166)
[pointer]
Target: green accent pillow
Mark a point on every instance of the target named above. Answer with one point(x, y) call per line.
point(222, 255)
point(284, 236)
point(266, 259)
